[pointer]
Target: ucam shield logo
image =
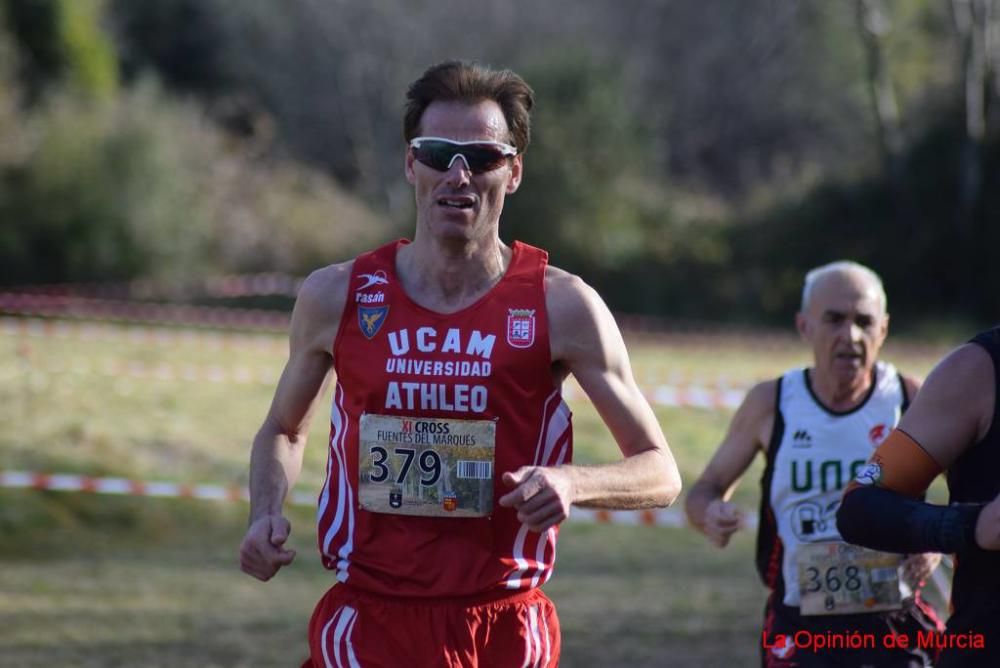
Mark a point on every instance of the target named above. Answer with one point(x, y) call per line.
point(520, 327)
point(370, 319)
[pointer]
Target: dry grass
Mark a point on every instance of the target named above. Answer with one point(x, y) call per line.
point(102, 581)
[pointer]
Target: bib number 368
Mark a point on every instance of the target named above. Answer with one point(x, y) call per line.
point(836, 579)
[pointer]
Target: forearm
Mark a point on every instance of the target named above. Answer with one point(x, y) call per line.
point(275, 464)
point(648, 479)
point(886, 520)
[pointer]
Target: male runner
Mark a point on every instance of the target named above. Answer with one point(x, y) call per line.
point(448, 470)
point(815, 428)
point(954, 424)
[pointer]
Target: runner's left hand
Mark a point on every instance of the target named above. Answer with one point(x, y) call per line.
point(542, 495)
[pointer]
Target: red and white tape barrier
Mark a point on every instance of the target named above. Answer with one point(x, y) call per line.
point(239, 375)
point(128, 311)
point(708, 397)
point(66, 482)
point(217, 287)
point(104, 331)
point(69, 482)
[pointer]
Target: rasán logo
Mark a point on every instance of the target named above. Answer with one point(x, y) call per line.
point(370, 319)
point(377, 278)
point(520, 327)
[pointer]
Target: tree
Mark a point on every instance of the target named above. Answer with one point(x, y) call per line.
point(63, 40)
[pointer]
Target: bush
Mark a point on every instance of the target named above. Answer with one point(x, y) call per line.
point(104, 192)
point(146, 187)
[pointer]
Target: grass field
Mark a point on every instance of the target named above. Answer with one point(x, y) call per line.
point(91, 580)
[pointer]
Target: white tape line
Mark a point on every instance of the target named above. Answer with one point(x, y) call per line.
point(15, 479)
point(665, 518)
point(670, 517)
point(681, 396)
point(113, 486)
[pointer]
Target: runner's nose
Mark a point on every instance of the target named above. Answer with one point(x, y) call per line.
point(458, 173)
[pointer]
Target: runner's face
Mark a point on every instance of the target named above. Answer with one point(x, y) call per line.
point(457, 203)
point(846, 324)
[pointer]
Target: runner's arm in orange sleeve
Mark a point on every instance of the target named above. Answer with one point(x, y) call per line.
point(953, 411)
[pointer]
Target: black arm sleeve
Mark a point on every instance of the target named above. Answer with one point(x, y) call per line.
point(884, 520)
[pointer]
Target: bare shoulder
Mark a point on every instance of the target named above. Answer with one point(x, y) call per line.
point(762, 399)
point(580, 324)
point(954, 408)
point(320, 302)
point(754, 419)
point(964, 373)
point(567, 296)
point(749, 433)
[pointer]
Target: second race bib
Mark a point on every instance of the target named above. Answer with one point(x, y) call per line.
point(837, 579)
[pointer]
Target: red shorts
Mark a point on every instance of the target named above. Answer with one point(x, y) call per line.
point(355, 629)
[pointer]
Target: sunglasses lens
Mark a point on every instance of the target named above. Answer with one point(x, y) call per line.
point(439, 155)
point(435, 154)
point(483, 158)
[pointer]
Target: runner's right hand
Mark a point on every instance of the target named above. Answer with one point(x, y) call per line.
point(262, 552)
point(722, 520)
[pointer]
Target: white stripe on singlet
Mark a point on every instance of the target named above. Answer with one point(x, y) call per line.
point(541, 577)
point(558, 423)
point(324, 494)
point(543, 540)
point(554, 427)
point(345, 493)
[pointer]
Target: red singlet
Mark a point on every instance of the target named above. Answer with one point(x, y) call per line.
point(488, 362)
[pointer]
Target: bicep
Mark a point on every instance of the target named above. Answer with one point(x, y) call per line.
point(302, 381)
point(742, 441)
point(587, 341)
point(314, 323)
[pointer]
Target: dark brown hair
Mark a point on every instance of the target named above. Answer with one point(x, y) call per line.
point(469, 83)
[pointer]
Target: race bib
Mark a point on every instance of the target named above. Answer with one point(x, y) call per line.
point(838, 579)
point(433, 467)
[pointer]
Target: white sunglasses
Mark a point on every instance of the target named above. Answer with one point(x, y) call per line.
point(479, 156)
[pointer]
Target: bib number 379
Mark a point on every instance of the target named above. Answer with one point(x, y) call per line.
point(434, 467)
point(429, 464)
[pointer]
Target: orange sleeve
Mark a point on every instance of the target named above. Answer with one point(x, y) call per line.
point(899, 464)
